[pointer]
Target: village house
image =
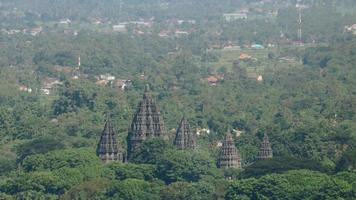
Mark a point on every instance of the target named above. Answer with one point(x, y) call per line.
point(212, 80)
point(35, 31)
point(102, 82)
point(119, 27)
point(231, 47)
point(234, 16)
point(123, 84)
point(105, 79)
point(65, 21)
point(351, 29)
point(139, 32)
point(202, 131)
point(97, 21)
point(63, 69)
point(23, 88)
point(142, 77)
point(179, 33)
point(164, 33)
point(237, 132)
point(257, 46)
point(147, 24)
point(13, 31)
point(49, 83)
point(245, 57)
point(254, 76)
point(180, 21)
point(288, 59)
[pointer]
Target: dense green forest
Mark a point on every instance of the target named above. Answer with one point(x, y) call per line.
point(306, 100)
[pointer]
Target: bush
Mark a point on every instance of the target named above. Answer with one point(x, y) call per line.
point(38, 146)
point(62, 158)
point(297, 184)
point(281, 164)
point(129, 170)
point(185, 166)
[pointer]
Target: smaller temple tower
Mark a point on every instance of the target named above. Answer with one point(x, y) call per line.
point(108, 148)
point(185, 137)
point(229, 156)
point(265, 149)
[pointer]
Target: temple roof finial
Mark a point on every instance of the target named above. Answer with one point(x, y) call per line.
point(147, 88)
point(228, 135)
point(108, 117)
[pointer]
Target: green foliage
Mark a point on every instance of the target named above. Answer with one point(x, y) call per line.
point(347, 161)
point(58, 159)
point(5, 196)
point(188, 166)
point(134, 189)
point(300, 184)
point(349, 177)
point(281, 164)
point(7, 124)
point(70, 176)
point(188, 191)
point(40, 145)
point(151, 151)
point(86, 190)
point(62, 58)
point(135, 171)
point(57, 178)
point(233, 173)
point(35, 195)
point(317, 57)
point(6, 165)
point(74, 97)
point(23, 183)
point(308, 110)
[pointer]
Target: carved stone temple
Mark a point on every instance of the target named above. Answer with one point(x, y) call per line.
point(108, 148)
point(265, 151)
point(229, 156)
point(185, 138)
point(147, 123)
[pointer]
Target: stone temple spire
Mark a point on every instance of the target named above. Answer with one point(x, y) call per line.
point(108, 149)
point(147, 123)
point(229, 156)
point(265, 149)
point(185, 137)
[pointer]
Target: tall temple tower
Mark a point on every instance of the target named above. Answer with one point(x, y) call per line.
point(265, 149)
point(108, 149)
point(229, 156)
point(147, 123)
point(185, 137)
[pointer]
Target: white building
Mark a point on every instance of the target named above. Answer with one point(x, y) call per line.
point(119, 28)
point(234, 16)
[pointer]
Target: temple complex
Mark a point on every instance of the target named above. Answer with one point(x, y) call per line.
point(229, 156)
point(147, 123)
point(185, 137)
point(108, 149)
point(265, 149)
